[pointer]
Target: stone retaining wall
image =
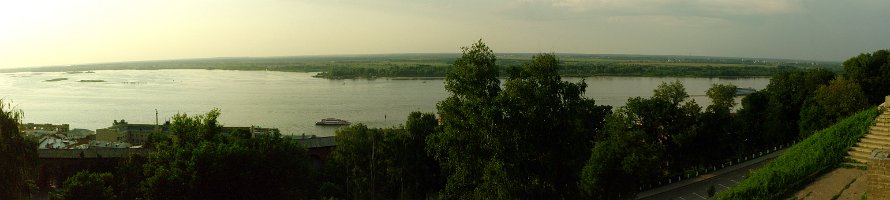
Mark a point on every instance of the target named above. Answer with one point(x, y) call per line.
point(879, 175)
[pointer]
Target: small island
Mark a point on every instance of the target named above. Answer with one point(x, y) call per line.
point(56, 79)
point(91, 81)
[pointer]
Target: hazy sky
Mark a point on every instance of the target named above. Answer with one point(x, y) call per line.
point(61, 32)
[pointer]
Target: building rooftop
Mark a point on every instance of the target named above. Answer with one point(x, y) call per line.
point(89, 153)
point(316, 142)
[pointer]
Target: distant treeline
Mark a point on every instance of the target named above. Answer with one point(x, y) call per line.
point(392, 71)
point(437, 65)
point(567, 71)
point(690, 71)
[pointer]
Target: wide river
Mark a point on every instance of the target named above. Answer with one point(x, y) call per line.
point(290, 101)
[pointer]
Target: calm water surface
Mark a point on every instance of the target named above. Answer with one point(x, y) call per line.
point(292, 102)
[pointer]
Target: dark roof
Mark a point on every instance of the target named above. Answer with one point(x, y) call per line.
point(317, 142)
point(138, 125)
point(90, 153)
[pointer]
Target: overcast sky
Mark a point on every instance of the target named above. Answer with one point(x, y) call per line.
point(40, 33)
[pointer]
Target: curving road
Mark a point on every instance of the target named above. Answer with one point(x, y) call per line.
point(697, 188)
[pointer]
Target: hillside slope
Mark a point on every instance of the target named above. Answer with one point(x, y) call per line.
point(822, 150)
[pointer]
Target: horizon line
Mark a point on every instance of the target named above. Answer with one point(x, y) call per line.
point(404, 53)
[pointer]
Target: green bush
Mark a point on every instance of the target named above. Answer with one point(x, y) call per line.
point(87, 185)
point(823, 149)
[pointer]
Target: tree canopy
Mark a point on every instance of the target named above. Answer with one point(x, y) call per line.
point(201, 162)
point(87, 186)
point(872, 72)
point(528, 139)
point(830, 103)
point(18, 156)
point(384, 163)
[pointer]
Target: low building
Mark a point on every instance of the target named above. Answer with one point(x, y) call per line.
point(39, 133)
point(135, 134)
point(318, 148)
point(78, 133)
point(59, 141)
point(108, 135)
point(38, 130)
point(253, 131)
point(114, 145)
point(55, 141)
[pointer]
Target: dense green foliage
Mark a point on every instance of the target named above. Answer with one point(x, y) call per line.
point(830, 103)
point(649, 138)
point(199, 161)
point(105, 179)
point(128, 177)
point(202, 163)
point(387, 163)
point(124, 181)
point(718, 135)
point(618, 164)
point(872, 73)
point(528, 139)
point(18, 156)
point(788, 92)
point(669, 121)
point(722, 97)
point(750, 120)
point(87, 186)
point(823, 149)
point(780, 105)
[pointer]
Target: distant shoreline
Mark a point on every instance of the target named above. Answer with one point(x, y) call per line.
point(383, 77)
point(435, 66)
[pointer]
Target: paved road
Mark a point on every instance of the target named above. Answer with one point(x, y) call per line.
point(697, 188)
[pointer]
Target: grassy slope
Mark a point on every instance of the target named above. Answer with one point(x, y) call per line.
point(822, 150)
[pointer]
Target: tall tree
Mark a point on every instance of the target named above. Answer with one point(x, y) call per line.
point(872, 73)
point(716, 138)
point(618, 164)
point(419, 173)
point(470, 120)
point(474, 76)
point(367, 159)
point(87, 186)
point(749, 118)
point(202, 163)
point(669, 119)
point(722, 97)
point(18, 156)
point(672, 92)
point(787, 93)
point(528, 140)
point(549, 127)
point(830, 103)
point(385, 163)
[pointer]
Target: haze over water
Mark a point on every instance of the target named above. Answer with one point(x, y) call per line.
point(290, 101)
